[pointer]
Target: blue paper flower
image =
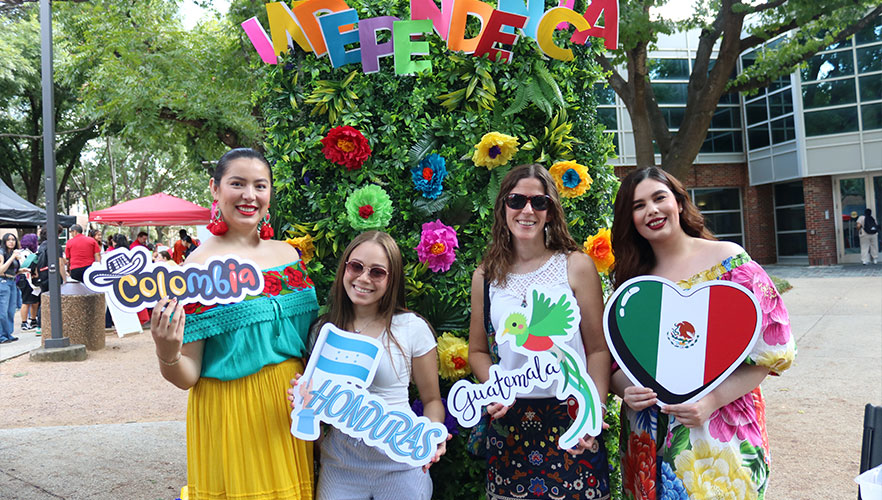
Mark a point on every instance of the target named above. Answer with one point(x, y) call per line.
point(449, 420)
point(671, 486)
point(571, 178)
point(429, 174)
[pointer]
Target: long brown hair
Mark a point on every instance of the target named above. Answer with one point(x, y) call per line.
point(634, 256)
point(340, 310)
point(500, 254)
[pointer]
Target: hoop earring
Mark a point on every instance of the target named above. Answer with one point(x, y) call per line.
point(264, 229)
point(217, 226)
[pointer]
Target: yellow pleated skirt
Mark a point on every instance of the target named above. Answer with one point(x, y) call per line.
point(239, 443)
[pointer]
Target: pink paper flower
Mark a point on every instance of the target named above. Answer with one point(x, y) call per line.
point(437, 244)
point(736, 418)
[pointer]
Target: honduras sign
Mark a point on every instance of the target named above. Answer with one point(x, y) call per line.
point(342, 366)
point(681, 345)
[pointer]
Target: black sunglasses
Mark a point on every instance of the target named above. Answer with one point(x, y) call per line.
point(539, 202)
point(374, 273)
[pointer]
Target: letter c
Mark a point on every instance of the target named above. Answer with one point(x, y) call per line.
point(549, 23)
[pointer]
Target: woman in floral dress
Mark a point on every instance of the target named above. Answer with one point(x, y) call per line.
point(716, 447)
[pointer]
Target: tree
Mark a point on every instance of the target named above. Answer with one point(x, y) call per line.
point(732, 27)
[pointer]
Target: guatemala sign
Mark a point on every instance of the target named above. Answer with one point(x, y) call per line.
point(331, 28)
point(342, 366)
point(540, 332)
point(680, 344)
point(132, 281)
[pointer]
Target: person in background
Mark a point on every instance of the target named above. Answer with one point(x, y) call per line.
point(164, 256)
point(80, 252)
point(43, 270)
point(183, 246)
point(30, 293)
point(120, 241)
point(96, 235)
point(869, 241)
point(10, 260)
point(140, 241)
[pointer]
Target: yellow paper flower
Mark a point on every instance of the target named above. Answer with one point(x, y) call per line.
point(304, 245)
point(495, 149)
point(572, 179)
point(777, 361)
point(599, 248)
point(714, 473)
point(453, 355)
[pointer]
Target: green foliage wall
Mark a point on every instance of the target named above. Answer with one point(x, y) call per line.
point(547, 104)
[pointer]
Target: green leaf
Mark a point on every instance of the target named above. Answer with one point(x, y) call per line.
point(426, 207)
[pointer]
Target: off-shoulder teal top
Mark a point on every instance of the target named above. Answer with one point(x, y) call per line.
point(262, 330)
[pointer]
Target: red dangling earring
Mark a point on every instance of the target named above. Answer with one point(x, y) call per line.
point(217, 226)
point(264, 229)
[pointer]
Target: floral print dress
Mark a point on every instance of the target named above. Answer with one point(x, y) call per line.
point(728, 457)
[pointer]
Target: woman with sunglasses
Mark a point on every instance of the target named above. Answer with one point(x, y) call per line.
point(367, 297)
point(236, 359)
point(531, 245)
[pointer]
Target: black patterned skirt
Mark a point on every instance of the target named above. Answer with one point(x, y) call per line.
point(524, 462)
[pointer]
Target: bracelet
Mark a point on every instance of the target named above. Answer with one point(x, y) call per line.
point(170, 363)
point(605, 409)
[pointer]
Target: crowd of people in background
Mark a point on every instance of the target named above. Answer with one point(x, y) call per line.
point(24, 269)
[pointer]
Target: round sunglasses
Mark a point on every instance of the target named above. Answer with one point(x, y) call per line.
point(539, 202)
point(357, 268)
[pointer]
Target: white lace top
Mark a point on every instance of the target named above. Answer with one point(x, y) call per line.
point(551, 275)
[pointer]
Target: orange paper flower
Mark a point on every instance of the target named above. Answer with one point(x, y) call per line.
point(599, 248)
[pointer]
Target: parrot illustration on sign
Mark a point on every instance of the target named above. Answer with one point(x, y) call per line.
point(550, 325)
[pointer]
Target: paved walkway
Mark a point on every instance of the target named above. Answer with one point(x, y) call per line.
point(814, 411)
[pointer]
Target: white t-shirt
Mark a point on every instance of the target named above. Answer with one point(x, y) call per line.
point(393, 375)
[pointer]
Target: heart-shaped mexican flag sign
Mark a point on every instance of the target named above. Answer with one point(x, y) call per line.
point(681, 344)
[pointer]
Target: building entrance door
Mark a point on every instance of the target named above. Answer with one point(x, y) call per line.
point(852, 195)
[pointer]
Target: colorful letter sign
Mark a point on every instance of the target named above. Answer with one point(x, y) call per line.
point(540, 332)
point(132, 281)
point(340, 370)
point(681, 345)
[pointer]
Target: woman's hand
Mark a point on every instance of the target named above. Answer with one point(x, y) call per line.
point(442, 449)
point(167, 328)
point(639, 398)
point(302, 389)
point(692, 414)
point(497, 410)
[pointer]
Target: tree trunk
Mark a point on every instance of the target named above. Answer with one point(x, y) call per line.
point(637, 109)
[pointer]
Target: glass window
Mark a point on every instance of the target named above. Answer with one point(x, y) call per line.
point(831, 93)
point(717, 199)
point(670, 93)
point(790, 218)
point(871, 87)
point(673, 116)
point(871, 115)
point(748, 59)
point(870, 34)
point(779, 83)
point(831, 121)
point(723, 141)
point(789, 193)
point(830, 65)
point(756, 111)
point(792, 244)
point(726, 117)
point(780, 103)
point(869, 59)
point(607, 116)
point(604, 94)
point(668, 69)
point(783, 130)
point(723, 222)
point(730, 98)
point(758, 137)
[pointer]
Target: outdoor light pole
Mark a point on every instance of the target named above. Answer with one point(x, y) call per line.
point(57, 340)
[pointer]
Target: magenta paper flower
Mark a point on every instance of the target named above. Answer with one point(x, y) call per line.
point(776, 322)
point(437, 244)
point(737, 417)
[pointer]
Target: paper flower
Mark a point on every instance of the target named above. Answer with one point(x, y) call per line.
point(369, 208)
point(346, 146)
point(572, 179)
point(437, 244)
point(429, 174)
point(453, 355)
point(599, 247)
point(305, 247)
point(495, 149)
point(449, 419)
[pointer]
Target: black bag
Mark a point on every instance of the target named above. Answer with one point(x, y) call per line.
point(870, 225)
point(42, 266)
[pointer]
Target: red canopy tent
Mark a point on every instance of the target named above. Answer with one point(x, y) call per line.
point(157, 209)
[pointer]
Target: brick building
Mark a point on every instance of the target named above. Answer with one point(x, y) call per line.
point(787, 171)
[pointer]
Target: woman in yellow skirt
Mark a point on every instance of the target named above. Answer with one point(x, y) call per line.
point(236, 359)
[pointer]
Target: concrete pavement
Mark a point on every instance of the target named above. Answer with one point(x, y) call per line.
point(837, 321)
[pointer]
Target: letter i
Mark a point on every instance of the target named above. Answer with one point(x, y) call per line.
point(234, 285)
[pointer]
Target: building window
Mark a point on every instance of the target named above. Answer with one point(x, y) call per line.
point(831, 121)
point(721, 208)
point(606, 112)
point(790, 220)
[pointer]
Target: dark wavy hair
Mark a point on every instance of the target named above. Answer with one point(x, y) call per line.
point(499, 257)
point(235, 154)
point(634, 256)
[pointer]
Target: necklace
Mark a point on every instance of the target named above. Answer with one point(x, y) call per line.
point(364, 327)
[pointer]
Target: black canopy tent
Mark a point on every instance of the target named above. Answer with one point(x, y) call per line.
point(17, 212)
